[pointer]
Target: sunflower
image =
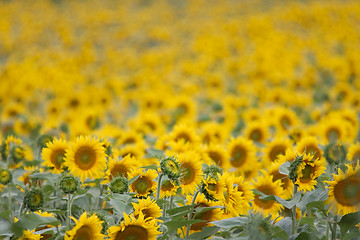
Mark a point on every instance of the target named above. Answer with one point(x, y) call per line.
point(217, 155)
point(10, 140)
point(213, 188)
point(308, 171)
point(309, 145)
point(213, 132)
point(191, 174)
point(353, 154)
point(130, 137)
point(30, 235)
point(120, 167)
point(86, 228)
point(242, 153)
point(334, 129)
point(344, 191)
point(247, 194)
point(168, 188)
point(148, 123)
point(144, 184)
point(137, 151)
point(185, 132)
point(54, 154)
point(256, 131)
point(285, 119)
point(233, 200)
point(86, 158)
point(266, 185)
point(206, 216)
point(286, 183)
point(134, 228)
point(149, 209)
point(45, 214)
point(274, 149)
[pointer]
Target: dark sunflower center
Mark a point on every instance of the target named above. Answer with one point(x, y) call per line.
point(216, 157)
point(306, 172)
point(277, 150)
point(211, 187)
point(132, 233)
point(183, 135)
point(188, 174)
point(263, 203)
point(347, 191)
point(35, 199)
point(167, 185)
point(118, 170)
point(256, 135)
point(285, 122)
point(83, 233)
point(85, 158)
point(58, 158)
point(238, 156)
point(141, 185)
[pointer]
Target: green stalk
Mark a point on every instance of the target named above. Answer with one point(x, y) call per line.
point(191, 214)
point(293, 213)
point(9, 192)
point(334, 227)
point(158, 187)
point(68, 220)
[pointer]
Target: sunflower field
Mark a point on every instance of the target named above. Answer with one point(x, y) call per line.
point(174, 119)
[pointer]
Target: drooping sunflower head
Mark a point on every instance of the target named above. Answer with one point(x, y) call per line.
point(44, 139)
point(134, 228)
point(242, 153)
point(86, 158)
point(144, 184)
point(344, 191)
point(233, 201)
point(54, 155)
point(86, 228)
point(170, 167)
point(149, 209)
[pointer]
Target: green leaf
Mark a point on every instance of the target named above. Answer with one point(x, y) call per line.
point(132, 180)
point(205, 233)
point(286, 204)
point(153, 166)
point(284, 168)
point(316, 195)
point(154, 153)
point(305, 236)
point(175, 224)
point(279, 233)
point(230, 222)
point(47, 175)
point(5, 214)
point(307, 220)
point(316, 204)
point(31, 221)
point(182, 209)
point(351, 236)
point(120, 206)
point(348, 221)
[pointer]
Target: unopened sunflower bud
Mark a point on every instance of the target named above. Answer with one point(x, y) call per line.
point(212, 171)
point(69, 184)
point(119, 185)
point(17, 153)
point(34, 199)
point(170, 167)
point(335, 153)
point(5, 176)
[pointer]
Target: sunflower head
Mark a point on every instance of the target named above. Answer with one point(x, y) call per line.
point(5, 176)
point(17, 153)
point(69, 184)
point(212, 171)
point(213, 188)
point(34, 199)
point(170, 167)
point(119, 185)
point(335, 153)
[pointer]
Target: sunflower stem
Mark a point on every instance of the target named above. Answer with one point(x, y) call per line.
point(191, 214)
point(68, 220)
point(9, 192)
point(334, 227)
point(158, 187)
point(327, 230)
point(100, 200)
point(293, 213)
point(171, 202)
